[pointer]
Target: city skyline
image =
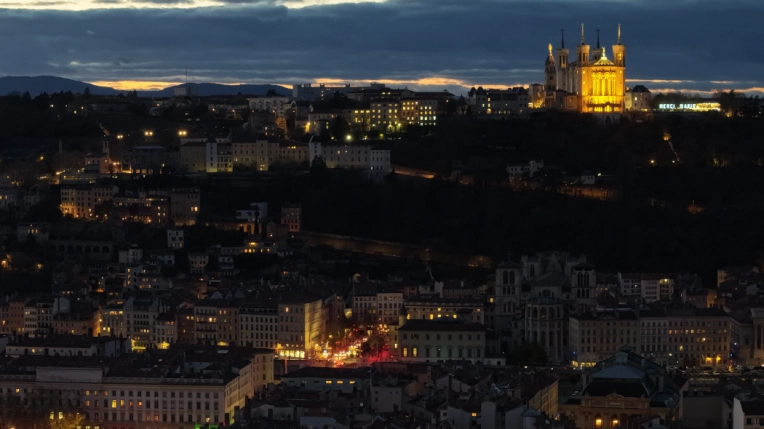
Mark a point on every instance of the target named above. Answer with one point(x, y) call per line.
point(419, 44)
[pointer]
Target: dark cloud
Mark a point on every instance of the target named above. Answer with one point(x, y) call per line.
point(670, 44)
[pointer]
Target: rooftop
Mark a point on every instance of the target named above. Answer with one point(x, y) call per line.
point(441, 325)
point(323, 372)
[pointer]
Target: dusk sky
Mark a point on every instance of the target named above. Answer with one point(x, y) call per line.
point(688, 45)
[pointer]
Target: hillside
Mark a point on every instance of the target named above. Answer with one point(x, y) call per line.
point(36, 85)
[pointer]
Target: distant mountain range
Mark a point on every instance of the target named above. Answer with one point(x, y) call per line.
point(38, 84)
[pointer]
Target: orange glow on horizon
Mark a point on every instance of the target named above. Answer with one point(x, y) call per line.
point(426, 81)
point(140, 85)
point(433, 82)
point(147, 85)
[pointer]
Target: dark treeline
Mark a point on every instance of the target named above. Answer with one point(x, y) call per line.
point(620, 235)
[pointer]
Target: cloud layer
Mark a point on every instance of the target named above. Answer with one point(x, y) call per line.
point(698, 45)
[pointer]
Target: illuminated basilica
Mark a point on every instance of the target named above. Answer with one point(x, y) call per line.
point(592, 83)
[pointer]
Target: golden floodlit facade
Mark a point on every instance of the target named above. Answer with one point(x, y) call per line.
point(593, 83)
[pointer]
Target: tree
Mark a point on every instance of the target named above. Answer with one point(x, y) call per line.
point(319, 173)
point(102, 210)
point(729, 101)
point(339, 128)
point(44, 211)
point(336, 327)
point(66, 420)
point(373, 345)
point(86, 93)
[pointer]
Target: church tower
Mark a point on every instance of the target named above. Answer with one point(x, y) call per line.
point(550, 80)
point(619, 51)
point(583, 50)
point(562, 65)
point(550, 72)
point(598, 51)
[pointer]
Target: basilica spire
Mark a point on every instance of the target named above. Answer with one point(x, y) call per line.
point(619, 34)
point(598, 38)
point(582, 33)
point(562, 37)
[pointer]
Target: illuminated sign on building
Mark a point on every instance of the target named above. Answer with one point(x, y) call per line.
point(694, 107)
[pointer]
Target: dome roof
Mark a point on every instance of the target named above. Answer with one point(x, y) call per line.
point(603, 61)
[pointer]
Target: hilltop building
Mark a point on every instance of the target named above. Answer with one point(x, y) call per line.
point(592, 83)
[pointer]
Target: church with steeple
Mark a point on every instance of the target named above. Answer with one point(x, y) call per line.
point(592, 83)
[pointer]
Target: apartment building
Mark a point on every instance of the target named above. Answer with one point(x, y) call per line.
point(38, 316)
point(80, 201)
point(5, 315)
point(597, 335)
point(186, 326)
point(433, 307)
point(149, 160)
point(386, 114)
point(16, 314)
point(216, 321)
point(208, 156)
point(164, 331)
point(364, 304)
point(638, 98)
point(184, 206)
point(139, 316)
point(142, 391)
point(419, 111)
point(146, 278)
point(67, 345)
point(355, 156)
point(175, 238)
point(389, 303)
point(9, 198)
point(192, 157)
point(258, 324)
point(439, 340)
point(310, 92)
point(651, 287)
point(291, 216)
point(498, 101)
point(301, 327)
point(319, 121)
point(276, 104)
point(78, 321)
point(686, 337)
point(113, 320)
